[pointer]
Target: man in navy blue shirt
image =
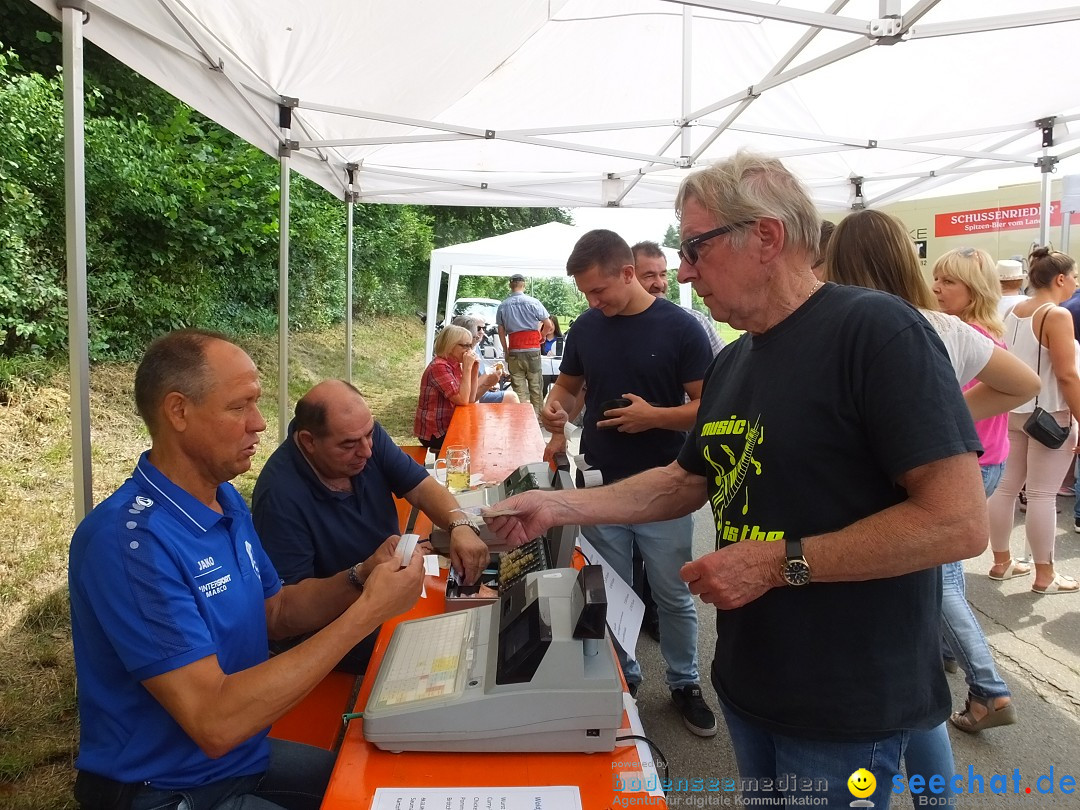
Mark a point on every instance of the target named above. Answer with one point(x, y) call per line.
point(173, 600)
point(325, 496)
point(631, 344)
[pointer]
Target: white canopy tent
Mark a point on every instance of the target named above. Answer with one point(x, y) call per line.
point(589, 102)
point(538, 252)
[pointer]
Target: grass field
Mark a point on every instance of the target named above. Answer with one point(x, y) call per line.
point(38, 718)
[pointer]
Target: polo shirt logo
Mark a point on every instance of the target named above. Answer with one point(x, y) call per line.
point(219, 585)
point(251, 556)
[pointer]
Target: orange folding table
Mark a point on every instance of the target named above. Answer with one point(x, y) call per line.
point(501, 437)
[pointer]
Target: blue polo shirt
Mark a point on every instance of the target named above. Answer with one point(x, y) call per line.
point(311, 531)
point(158, 580)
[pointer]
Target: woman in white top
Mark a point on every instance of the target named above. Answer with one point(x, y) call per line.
point(1052, 276)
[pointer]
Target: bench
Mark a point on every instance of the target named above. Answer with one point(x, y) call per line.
point(316, 720)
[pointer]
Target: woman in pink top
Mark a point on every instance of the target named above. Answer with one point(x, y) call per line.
point(966, 285)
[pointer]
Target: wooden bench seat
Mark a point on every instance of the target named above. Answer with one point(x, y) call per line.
point(316, 720)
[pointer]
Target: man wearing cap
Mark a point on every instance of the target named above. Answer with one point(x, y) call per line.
point(521, 319)
point(1011, 275)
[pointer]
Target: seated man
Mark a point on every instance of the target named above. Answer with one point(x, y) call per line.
point(326, 495)
point(488, 381)
point(173, 600)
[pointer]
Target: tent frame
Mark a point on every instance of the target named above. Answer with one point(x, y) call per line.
point(320, 159)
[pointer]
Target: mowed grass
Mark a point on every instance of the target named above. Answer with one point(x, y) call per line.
point(38, 717)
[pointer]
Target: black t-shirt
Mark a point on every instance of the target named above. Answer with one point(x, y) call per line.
point(651, 354)
point(803, 430)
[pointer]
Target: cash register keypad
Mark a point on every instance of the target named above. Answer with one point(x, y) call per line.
point(523, 560)
point(430, 660)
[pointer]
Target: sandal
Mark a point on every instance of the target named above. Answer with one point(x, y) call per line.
point(1012, 569)
point(965, 720)
point(1060, 584)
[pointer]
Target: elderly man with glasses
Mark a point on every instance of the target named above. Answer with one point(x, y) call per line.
point(834, 448)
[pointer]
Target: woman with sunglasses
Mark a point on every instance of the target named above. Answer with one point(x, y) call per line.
point(449, 380)
point(1040, 332)
point(966, 285)
point(872, 249)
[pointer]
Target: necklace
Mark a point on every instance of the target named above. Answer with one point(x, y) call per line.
point(817, 286)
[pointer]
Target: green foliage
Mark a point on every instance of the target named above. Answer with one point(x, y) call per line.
point(559, 295)
point(671, 237)
point(181, 217)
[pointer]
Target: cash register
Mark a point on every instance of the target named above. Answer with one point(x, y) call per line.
point(533, 671)
point(554, 550)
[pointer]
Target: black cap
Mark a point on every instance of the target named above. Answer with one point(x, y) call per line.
point(516, 277)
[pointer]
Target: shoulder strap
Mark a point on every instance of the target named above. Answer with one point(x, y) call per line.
point(1038, 360)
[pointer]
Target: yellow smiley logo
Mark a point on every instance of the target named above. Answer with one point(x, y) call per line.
point(861, 783)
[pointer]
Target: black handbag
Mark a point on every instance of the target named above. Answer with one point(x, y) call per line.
point(1041, 425)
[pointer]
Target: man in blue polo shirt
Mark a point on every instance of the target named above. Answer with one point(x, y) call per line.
point(173, 600)
point(325, 496)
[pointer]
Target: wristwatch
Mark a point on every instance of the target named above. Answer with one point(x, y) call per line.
point(354, 579)
point(795, 570)
point(463, 522)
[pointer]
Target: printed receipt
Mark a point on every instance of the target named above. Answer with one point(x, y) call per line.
point(559, 797)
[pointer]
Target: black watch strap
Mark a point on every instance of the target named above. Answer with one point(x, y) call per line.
point(793, 548)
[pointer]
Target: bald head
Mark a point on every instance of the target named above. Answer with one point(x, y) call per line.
point(318, 407)
point(334, 428)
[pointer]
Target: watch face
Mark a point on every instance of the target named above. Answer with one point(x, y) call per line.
point(796, 572)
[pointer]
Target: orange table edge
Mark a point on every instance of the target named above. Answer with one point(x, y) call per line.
point(501, 438)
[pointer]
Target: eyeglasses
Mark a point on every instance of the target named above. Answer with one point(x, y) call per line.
point(466, 345)
point(688, 250)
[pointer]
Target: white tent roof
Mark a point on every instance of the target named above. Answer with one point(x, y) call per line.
point(540, 251)
point(607, 102)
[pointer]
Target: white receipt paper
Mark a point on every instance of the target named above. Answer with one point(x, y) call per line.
point(558, 797)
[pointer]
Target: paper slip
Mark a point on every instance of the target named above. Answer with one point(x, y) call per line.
point(625, 610)
point(557, 797)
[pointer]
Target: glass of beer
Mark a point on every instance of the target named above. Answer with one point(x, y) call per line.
point(456, 464)
point(500, 369)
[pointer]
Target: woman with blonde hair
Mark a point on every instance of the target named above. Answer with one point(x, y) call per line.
point(449, 380)
point(1040, 332)
point(966, 285)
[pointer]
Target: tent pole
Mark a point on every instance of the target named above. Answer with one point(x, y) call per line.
point(74, 16)
point(1046, 165)
point(435, 271)
point(350, 197)
point(284, 153)
point(348, 291)
point(687, 60)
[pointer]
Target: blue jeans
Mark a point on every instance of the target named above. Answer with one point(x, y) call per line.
point(665, 546)
point(295, 779)
point(991, 475)
point(965, 636)
point(929, 753)
point(786, 761)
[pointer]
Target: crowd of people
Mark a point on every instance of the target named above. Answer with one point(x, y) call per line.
point(872, 428)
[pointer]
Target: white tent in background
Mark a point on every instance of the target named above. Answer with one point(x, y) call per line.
point(540, 251)
point(589, 102)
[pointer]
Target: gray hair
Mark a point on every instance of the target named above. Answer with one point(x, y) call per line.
point(175, 361)
point(749, 186)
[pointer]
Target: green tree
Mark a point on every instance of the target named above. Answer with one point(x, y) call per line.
point(671, 237)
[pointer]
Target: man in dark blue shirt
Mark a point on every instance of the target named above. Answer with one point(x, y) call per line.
point(324, 499)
